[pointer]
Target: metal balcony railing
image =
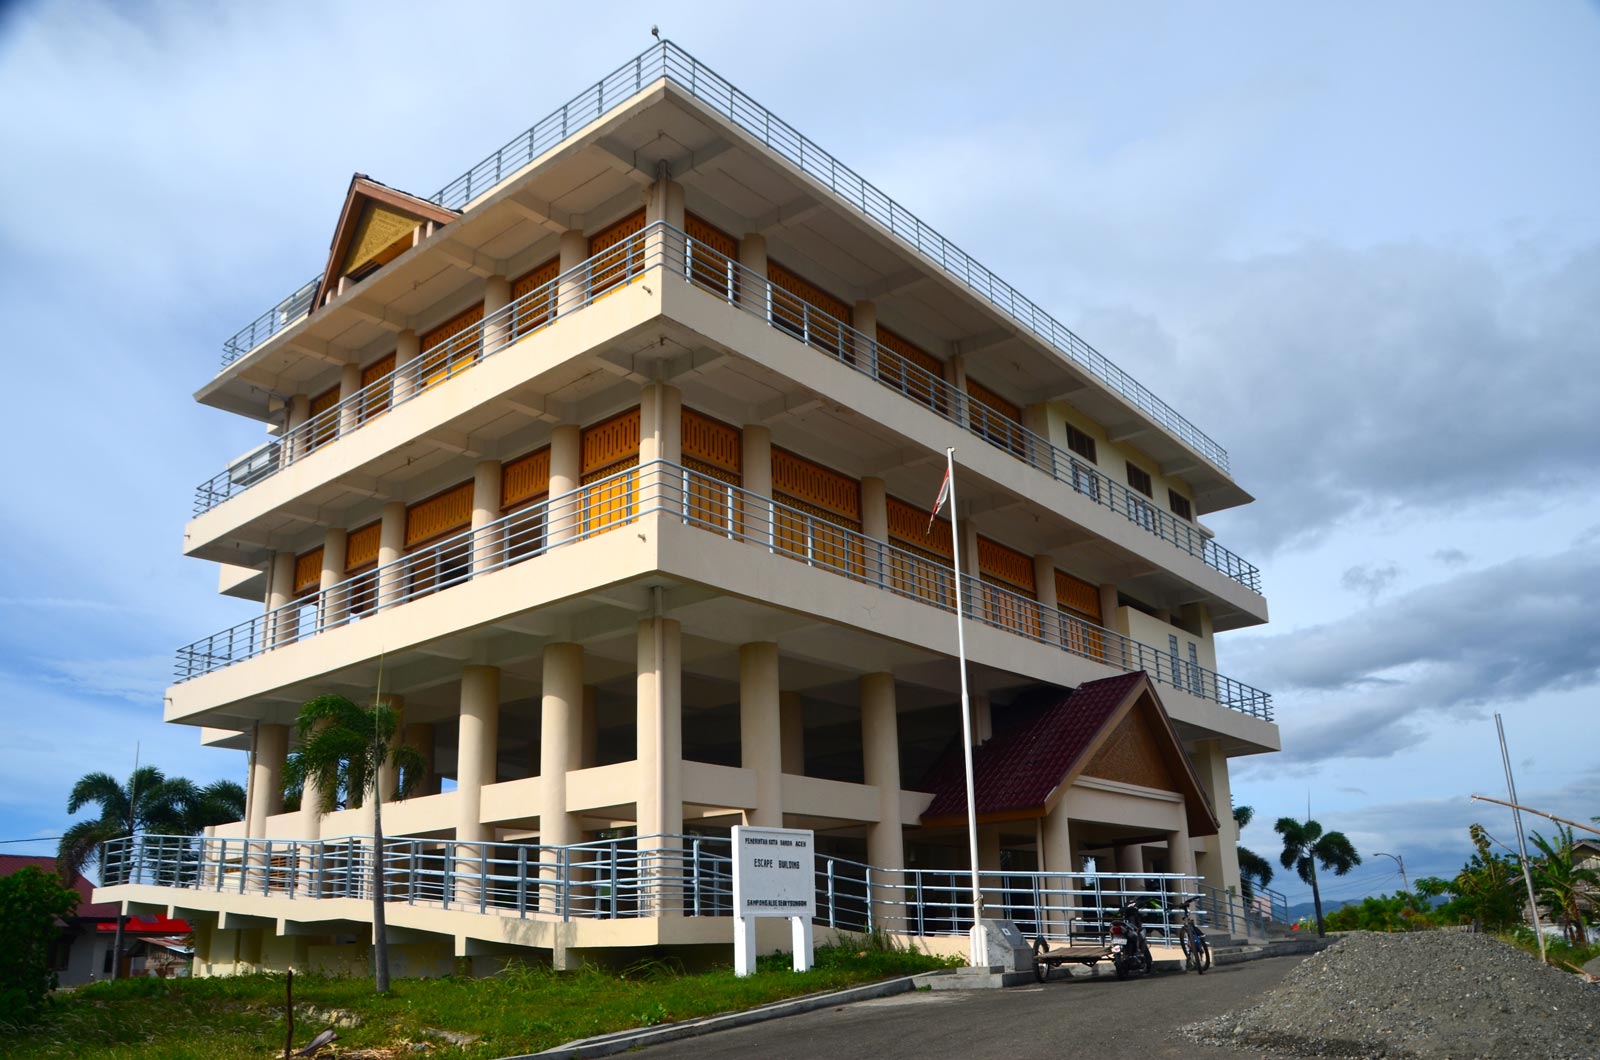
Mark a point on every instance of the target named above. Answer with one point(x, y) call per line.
point(670, 62)
point(639, 877)
point(711, 271)
point(718, 507)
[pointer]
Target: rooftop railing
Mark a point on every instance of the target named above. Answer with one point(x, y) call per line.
point(671, 62)
point(729, 511)
point(632, 877)
point(741, 288)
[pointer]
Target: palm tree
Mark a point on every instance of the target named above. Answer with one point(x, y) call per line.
point(148, 802)
point(1562, 884)
point(1253, 868)
point(1305, 846)
point(343, 749)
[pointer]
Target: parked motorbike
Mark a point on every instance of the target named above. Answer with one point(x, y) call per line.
point(1130, 953)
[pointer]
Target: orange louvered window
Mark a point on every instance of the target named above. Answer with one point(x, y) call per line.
point(1011, 571)
point(994, 417)
point(376, 404)
point(716, 450)
point(361, 547)
point(899, 362)
point(439, 515)
point(711, 255)
point(328, 428)
point(909, 532)
point(833, 503)
point(307, 571)
point(452, 347)
point(535, 312)
point(616, 257)
point(1079, 604)
point(525, 479)
point(806, 310)
point(609, 448)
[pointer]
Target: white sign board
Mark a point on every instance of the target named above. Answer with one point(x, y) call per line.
point(774, 875)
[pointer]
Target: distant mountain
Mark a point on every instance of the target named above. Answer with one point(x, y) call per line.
point(1309, 909)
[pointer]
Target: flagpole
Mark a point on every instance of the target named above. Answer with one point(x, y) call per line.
point(966, 714)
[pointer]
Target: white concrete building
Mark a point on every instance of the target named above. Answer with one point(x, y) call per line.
point(614, 459)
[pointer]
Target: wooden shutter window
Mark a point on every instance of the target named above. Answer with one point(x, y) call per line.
point(1006, 565)
point(328, 429)
point(527, 478)
point(536, 311)
point(710, 253)
point(994, 417)
point(377, 403)
point(361, 546)
point(1077, 595)
point(307, 571)
point(439, 514)
point(894, 357)
point(712, 442)
point(609, 442)
point(995, 402)
point(618, 260)
point(908, 525)
point(814, 484)
point(791, 294)
point(452, 347)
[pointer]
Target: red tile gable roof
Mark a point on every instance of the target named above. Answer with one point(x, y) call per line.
point(1019, 770)
point(1016, 773)
point(87, 907)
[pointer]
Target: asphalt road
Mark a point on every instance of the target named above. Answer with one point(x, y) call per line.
point(1060, 1020)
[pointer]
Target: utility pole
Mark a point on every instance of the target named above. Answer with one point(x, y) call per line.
point(1398, 860)
point(1522, 842)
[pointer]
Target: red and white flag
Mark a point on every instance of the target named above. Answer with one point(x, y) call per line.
point(938, 503)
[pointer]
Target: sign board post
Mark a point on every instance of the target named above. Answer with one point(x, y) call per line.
point(774, 874)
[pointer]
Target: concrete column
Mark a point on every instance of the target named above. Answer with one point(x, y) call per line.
point(664, 202)
point(585, 746)
point(660, 438)
point(1110, 608)
point(988, 848)
point(388, 776)
point(955, 373)
point(864, 317)
point(1130, 857)
point(1197, 616)
point(420, 736)
point(1180, 854)
point(565, 520)
point(982, 719)
point(266, 777)
point(1222, 866)
point(496, 329)
point(1056, 856)
point(660, 727)
point(331, 604)
point(756, 463)
point(572, 292)
point(349, 387)
point(391, 546)
point(753, 285)
point(1044, 590)
point(792, 724)
point(407, 348)
point(761, 730)
point(875, 525)
point(880, 746)
point(487, 545)
point(282, 627)
point(479, 734)
point(559, 712)
point(311, 796)
point(295, 445)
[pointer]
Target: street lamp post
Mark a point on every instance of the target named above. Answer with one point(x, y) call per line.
point(1398, 860)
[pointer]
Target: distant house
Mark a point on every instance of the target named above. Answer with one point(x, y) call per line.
point(83, 949)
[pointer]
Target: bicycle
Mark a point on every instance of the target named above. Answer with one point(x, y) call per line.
point(1196, 950)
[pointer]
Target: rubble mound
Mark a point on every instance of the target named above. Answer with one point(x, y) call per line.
point(1422, 996)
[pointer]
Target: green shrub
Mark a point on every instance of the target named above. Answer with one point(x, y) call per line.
point(31, 905)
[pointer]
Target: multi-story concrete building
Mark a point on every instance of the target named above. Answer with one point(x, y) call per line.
point(610, 466)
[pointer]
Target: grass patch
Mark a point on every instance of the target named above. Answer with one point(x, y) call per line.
point(1561, 954)
point(525, 1009)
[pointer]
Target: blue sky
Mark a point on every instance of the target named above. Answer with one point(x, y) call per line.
point(1358, 246)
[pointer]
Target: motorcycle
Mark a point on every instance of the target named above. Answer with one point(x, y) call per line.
point(1130, 953)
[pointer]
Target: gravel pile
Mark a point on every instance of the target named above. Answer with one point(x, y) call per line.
point(1423, 996)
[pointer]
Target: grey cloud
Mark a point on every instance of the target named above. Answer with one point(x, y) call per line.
point(1398, 377)
point(1370, 581)
point(1361, 686)
point(1452, 557)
